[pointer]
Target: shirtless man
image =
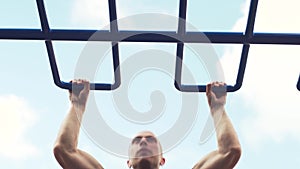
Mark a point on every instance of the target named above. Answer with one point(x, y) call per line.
point(145, 150)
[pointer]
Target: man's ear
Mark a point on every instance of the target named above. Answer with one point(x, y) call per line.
point(129, 164)
point(162, 161)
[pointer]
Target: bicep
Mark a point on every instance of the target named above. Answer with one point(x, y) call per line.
point(216, 160)
point(77, 160)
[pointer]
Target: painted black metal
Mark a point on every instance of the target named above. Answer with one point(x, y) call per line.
point(298, 84)
point(115, 36)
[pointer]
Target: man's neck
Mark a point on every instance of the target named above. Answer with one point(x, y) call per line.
point(145, 164)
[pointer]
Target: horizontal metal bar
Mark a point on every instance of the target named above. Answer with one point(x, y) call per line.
point(150, 36)
point(93, 86)
point(201, 88)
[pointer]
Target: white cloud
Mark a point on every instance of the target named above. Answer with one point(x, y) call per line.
point(16, 118)
point(95, 13)
point(271, 75)
point(91, 13)
point(278, 16)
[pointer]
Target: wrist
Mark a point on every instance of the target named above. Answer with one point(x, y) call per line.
point(216, 109)
point(77, 105)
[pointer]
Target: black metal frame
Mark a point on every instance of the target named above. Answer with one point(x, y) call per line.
point(298, 84)
point(51, 55)
point(180, 37)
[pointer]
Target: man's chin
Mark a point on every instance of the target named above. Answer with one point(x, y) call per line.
point(144, 154)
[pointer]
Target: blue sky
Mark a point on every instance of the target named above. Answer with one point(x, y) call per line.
point(265, 111)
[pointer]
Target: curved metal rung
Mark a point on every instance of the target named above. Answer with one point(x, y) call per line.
point(248, 36)
point(65, 85)
point(93, 86)
point(202, 88)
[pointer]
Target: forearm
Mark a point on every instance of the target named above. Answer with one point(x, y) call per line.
point(68, 135)
point(229, 151)
point(226, 135)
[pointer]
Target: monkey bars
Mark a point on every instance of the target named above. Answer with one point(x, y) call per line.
point(180, 37)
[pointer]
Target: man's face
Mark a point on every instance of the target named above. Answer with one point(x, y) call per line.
point(145, 146)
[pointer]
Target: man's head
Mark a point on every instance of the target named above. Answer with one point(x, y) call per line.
point(145, 151)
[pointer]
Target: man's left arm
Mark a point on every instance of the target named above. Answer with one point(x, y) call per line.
point(229, 150)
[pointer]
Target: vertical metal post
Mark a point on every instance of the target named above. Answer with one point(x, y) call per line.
point(180, 46)
point(115, 45)
point(49, 46)
point(246, 46)
point(298, 84)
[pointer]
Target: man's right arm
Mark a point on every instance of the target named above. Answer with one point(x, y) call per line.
point(65, 150)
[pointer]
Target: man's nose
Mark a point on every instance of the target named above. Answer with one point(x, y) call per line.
point(143, 141)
